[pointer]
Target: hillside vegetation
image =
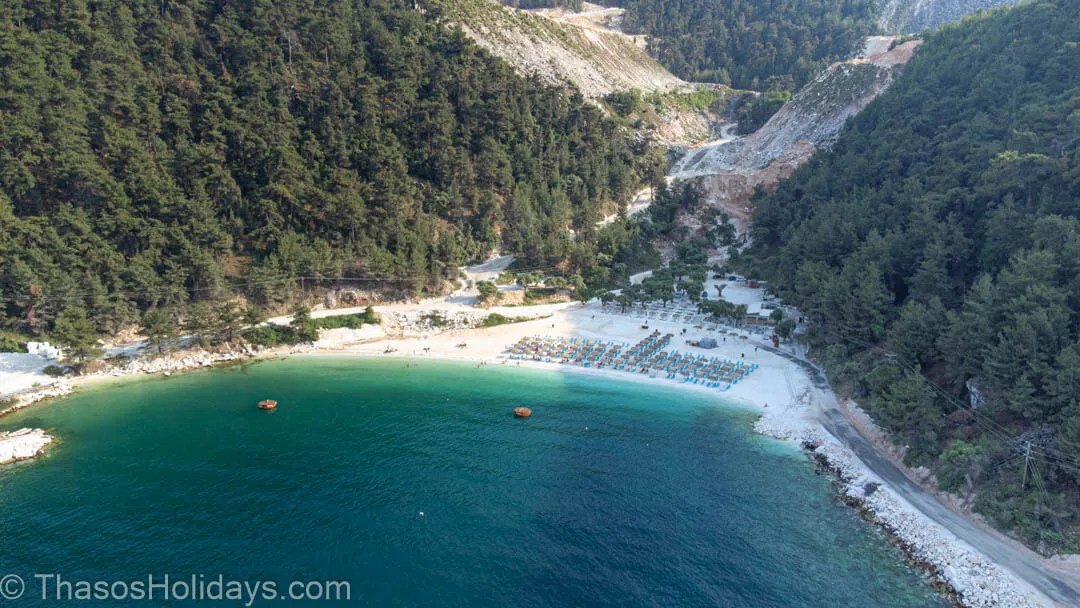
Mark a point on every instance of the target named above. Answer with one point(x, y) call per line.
point(936, 248)
point(155, 154)
point(910, 16)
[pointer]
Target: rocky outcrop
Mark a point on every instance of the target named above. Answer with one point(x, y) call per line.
point(23, 444)
point(30, 397)
point(912, 16)
point(587, 50)
point(815, 115)
point(183, 360)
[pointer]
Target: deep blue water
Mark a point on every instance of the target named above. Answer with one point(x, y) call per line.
point(612, 494)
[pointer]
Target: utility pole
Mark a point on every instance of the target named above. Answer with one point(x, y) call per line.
point(1027, 461)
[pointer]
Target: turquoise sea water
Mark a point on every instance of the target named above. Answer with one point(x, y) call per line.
point(612, 494)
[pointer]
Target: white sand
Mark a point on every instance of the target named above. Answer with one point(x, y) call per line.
point(20, 372)
point(775, 383)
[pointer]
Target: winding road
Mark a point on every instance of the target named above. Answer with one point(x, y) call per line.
point(1060, 587)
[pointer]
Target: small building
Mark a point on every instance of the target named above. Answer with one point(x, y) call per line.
point(707, 343)
point(44, 350)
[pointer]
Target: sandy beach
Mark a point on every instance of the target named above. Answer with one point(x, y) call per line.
point(793, 408)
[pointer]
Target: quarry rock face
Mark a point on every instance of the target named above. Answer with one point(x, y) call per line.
point(565, 50)
point(730, 170)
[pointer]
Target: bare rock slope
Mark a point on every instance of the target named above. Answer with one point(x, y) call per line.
point(730, 169)
point(561, 49)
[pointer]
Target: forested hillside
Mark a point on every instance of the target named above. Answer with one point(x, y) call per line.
point(751, 44)
point(936, 249)
point(153, 154)
point(904, 16)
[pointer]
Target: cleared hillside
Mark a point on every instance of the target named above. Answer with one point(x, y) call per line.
point(561, 51)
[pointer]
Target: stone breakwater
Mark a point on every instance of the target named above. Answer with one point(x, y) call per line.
point(23, 444)
point(975, 581)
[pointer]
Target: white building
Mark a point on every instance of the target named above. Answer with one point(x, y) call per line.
point(44, 350)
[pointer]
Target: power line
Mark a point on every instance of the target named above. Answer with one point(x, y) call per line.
point(164, 291)
point(169, 291)
point(989, 426)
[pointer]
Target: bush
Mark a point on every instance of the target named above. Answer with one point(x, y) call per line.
point(956, 463)
point(495, 319)
point(350, 321)
point(272, 335)
point(624, 103)
point(488, 292)
point(53, 370)
point(753, 112)
point(437, 320)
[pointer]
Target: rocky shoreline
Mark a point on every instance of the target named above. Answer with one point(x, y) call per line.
point(969, 578)
point(29, 443)
point(23, 444)
point(28, 398)
point(166, 365)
